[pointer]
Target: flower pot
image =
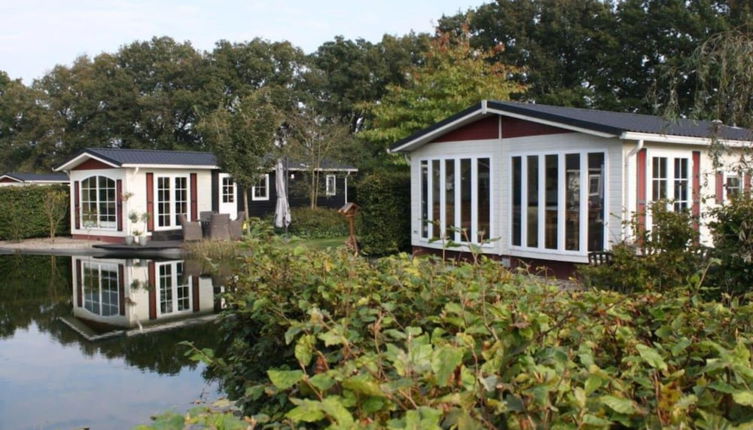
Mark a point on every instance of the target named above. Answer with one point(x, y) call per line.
point(129, 240)
point(143, 240)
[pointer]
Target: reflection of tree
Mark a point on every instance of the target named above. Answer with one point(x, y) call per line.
point(37, 289)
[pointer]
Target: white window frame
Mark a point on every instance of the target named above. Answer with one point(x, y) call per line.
point(99, 224)
point(457, 237)
point(670, 155)
point(732, 174)
point(174, 285)
point(98, 267)
point(227, 198)
point(330, 185)
point(173, 222)
point(255, 194)
point(585, 184)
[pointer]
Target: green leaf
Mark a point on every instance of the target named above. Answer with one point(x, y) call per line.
point(743, 397)
point(651, 356)
point(444, 361)
point(593, 382)
point(304, 349)
point(363, 384)
point(618, 404)
point(322, 381)
point(308, 411)
point(593, 420)
point(284, 379)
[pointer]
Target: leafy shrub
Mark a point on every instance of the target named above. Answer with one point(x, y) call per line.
point(317, 223)
point(326, 338)
point(384, 224)
point(666, 256)
point(732, 230)
point(23, 215)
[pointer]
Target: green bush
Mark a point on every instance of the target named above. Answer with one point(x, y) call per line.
point(384, 223)
point(319, 339)
point(22, 212)
point(317, 223)
point(732, 230)
point(665, 257)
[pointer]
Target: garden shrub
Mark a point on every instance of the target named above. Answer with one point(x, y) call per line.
point(732, 231)
point(22, 212)
point(317, 223)
point(665, 257)
point(384, 223)
point(317, 339)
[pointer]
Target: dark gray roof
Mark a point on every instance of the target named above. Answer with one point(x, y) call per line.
point(325, 164)
point(47, 177)
point(151, 156)
point(599, 120)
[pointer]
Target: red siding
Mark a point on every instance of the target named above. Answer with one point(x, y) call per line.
point(150, 201)
point(195, 293)
point(641, 188)
point(79, 283)
point(513, 127)
point(119, 204)
point(746, 182)
point(152, 291)
point(696, 188)
point(121, 288)
point(485, 128)
point(194, 198)
point(76, 205)
point(719, 187)
point(92, 164)
point(9, 180)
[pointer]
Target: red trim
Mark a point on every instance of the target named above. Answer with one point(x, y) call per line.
point(152, 291)
point(76, 205)
point(92, 164)
point(150, 201)
point(119, 204)
point(4, 180)
point(641, 188)
point(746, 182)
point(107, 239)
point(485, 128)
point(719, 188)
point(696, 210)
point(79, 284)
point(121, 288)
point(513, 127)
point(195, 293)
point(194, 198)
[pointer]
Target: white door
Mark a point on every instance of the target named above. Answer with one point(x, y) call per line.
point(228, 196)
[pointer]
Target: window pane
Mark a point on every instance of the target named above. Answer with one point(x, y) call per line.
point(449, 198)
point(552, 190)
point(682, 185)
point(435, 198)
point(596, 201)
point(484, 199)
point(183, 289)
point(424, 199)
point(517, 196)
point(109, 292)
point(181, 198)
point(465, 199)
point(227, 190)
point(163, 201)
point(533, 201)
point(733, 186)
point(659, 178)
point(572, 202)
point(91, 288)
point(165, 289)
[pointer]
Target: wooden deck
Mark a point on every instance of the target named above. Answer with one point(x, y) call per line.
point(156, 248)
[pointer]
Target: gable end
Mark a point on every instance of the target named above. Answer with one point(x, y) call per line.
point(514, 127)
point(485, 128)
point(92, 164)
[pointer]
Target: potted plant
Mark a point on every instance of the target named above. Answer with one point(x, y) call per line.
point(137, 236)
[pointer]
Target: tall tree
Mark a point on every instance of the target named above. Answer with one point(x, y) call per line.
point(242, 137)
point(454, 77)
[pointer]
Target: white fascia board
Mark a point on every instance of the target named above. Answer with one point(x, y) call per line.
point(75, 162)
point(300, 169)
point(552, 123)
point(434, 133)
point(685, 140)
point(170, 166)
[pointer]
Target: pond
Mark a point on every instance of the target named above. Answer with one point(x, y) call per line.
point(53, 376)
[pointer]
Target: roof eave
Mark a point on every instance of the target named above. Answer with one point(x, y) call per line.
point(170, 166)
point(686, 140)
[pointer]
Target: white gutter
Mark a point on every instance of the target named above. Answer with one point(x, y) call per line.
point(626, 195)
point(686, 140)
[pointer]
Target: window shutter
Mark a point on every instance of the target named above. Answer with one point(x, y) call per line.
point(121, 288)
point(194, 199)
point(719, 187)
point(150, 201)
point(696, 208)
point(76, 205)
point(119, 204)
point(195, 293)
point(641, 188)
point(152, 292)
point(79, 285)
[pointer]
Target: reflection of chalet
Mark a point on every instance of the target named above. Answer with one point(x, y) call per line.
point(132, 293)
point(24, 179)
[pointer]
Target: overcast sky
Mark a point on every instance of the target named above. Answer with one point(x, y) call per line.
point(35, 35)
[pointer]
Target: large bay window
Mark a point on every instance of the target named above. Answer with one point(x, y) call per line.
point(98, 203)
point(172, 200)
point(558, 202)
point(100, 288)
point(174, 289)
point(456, 199)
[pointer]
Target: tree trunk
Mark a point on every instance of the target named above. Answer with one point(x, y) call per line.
point(312, 193)
point(245, 202)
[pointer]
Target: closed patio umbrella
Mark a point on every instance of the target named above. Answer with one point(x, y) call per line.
point(282, 212)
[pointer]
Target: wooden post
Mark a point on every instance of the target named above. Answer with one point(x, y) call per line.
point(349, 211)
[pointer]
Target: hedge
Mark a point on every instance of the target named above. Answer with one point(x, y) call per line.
point(384, 223)
point(317, 223)
point(22, 212)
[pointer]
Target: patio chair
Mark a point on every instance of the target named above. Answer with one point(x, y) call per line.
point(236, 226)
point(219, 227)
point(191, 230)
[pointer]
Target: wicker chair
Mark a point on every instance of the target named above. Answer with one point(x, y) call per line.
point(236, 226)
point(219, 227)
point(191, 230)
